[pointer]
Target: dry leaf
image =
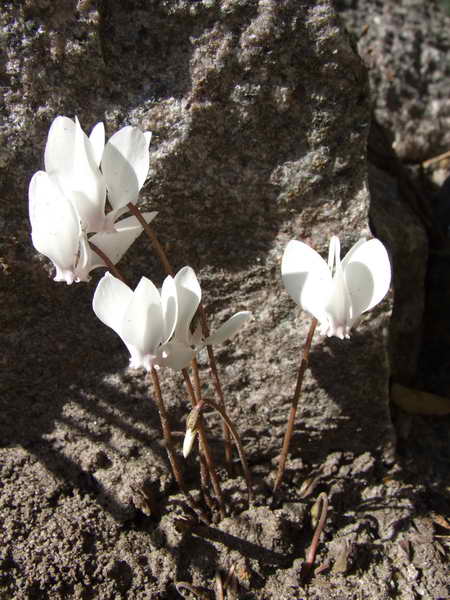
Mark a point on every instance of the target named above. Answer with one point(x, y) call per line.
point(418, 402)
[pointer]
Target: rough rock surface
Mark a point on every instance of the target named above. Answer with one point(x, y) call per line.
point(396, 199)
point(260, 114)
point(405, 46)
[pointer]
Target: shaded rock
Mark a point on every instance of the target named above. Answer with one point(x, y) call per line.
point(405, 46)
point(401, 218)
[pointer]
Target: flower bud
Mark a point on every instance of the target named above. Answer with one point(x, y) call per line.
point(191, 430)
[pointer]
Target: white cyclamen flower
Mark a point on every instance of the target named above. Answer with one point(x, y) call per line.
point(155, 326)
point(337, 293)
point(56, 232)
point(84, 168)
point(145, 318)
point(189, 296)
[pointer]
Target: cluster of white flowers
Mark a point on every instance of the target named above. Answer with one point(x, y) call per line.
point(70, 225)
point(67, 204)
point(67, 201)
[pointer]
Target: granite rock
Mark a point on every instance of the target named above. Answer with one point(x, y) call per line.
point(260, 115)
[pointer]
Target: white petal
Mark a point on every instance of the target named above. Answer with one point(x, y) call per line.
point(69, 158)
point(334, 253)
point(55, 225)
point(169, 302)
point(143, 325)
point(88, 185)
point(97, 139)
point(228, 329)
point(339, 308)
point(125, 165)
point(111, 300)
point(91, 212)
point(189, 296)
point(148, 137)
point(94, 262)
point(352, 250)
point(175, 355)
point(116, 243)
point(59, 149)
point(368, 275)
point(112, 216)
point(307, 278)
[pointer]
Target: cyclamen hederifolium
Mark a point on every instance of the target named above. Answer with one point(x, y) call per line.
point(67, 201)
point(155, 325)
point(337, 293)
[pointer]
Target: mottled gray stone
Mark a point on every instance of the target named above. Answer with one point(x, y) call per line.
point(405, 44)
point(260, 116)
point(398, 217)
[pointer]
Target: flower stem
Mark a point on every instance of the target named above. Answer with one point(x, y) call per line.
point(308, 564)
point(233, 431)
point(294, 404)
point(204, 446)
point(204, 474)
point(218, 388)
point(163, 416)
point(205, 330)
point(108, 263)
point(160, 405)
point(152, 237)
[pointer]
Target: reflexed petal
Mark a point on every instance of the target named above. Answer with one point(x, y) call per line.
point(111, 218)
point(143, 325)
point(125, 165)
point(307, 278)
point(59, 150)
point(88, 185)
point(352, 250)
point(229, 328)
point(334, 253)
point(97, 139)
point(110, 301)
point(91, 214)
point(368, 275)
point(55, 225)
point(169, 302)
point(189, 296)
point(115, 244)
point(69, 159)
point(175, 355)
point(148, 137)
point(94, 262)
